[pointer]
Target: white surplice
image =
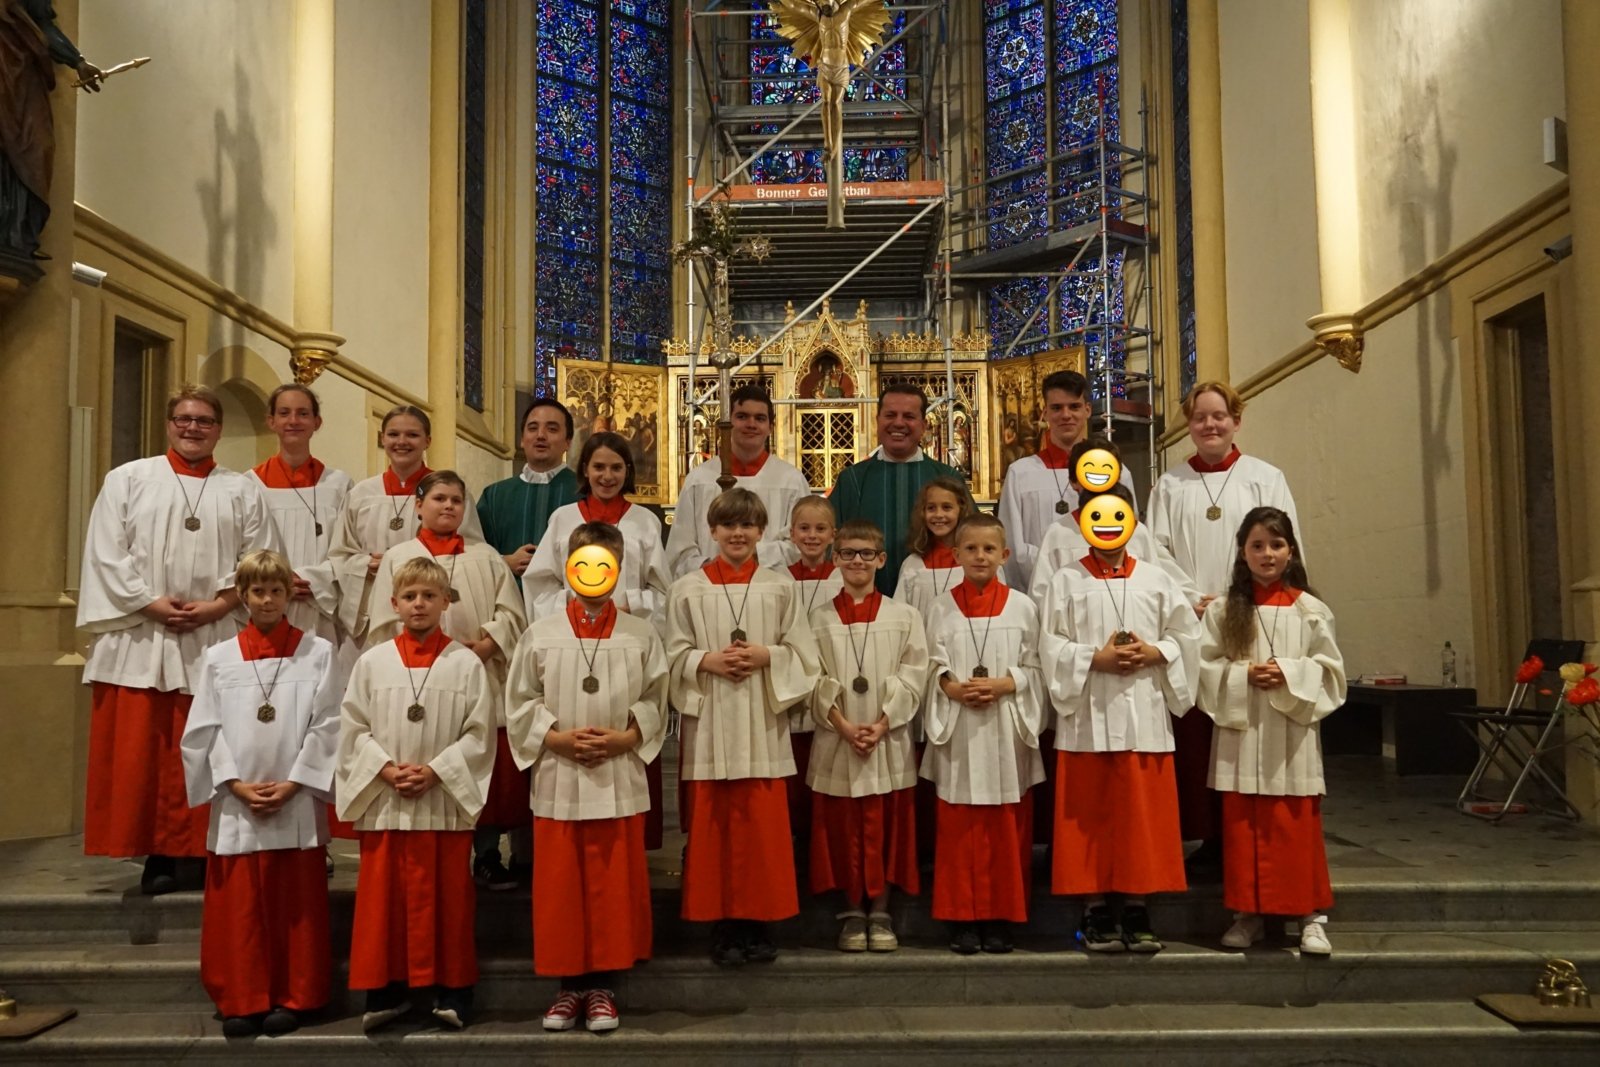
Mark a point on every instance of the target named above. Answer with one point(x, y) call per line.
point(642, 588)
point(779, 484)
point(139, 550)
point(546, 693)
point(984, 755)
point(1063, 546)
point(1027, 507)
point(814, 592)
point(295, 515)
point(894, 660)
point(1267, 740)
point(1206, 548)
point(738, 729)
point(1096, 711)
point(225, 741)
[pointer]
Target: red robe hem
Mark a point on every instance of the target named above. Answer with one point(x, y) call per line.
point(591, 895)
point(264, 932)
point(1116, 825)
point(1274, 861)
point(136, 802)
point(739, 863)
point(862, 845)
point(415, 910)
point(982, 861)
point(508, 804)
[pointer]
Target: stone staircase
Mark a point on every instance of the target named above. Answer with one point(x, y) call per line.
point(1409, 957)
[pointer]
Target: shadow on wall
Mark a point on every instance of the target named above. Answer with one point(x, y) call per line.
point(240, 227)
point(1419, 188)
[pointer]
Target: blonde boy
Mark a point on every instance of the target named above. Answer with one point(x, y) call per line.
point(416, 747)
point(811, 534)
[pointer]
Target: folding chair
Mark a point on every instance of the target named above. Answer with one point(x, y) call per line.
point(1515, 738)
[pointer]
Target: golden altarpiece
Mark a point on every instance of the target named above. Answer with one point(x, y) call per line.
point(825, 374)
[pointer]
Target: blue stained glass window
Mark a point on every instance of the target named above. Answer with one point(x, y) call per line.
point(641, 143)
point(639, 63)
point(1183, 200)
point(1011, 302)
point(569, 216)
point(1014, 47)
point(474, 215)
point(569, 123)
point(1086, 33)
point(569, 41)
point(640, 279)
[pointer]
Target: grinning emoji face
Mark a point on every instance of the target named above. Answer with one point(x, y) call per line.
point(1107, 522)
point(592, 571)
point(1097, 470)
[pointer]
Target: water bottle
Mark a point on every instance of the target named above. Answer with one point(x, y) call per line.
point(1448, 666)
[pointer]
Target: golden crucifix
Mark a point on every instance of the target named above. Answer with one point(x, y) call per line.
point(834, 34)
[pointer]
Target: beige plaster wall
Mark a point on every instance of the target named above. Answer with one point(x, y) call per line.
point(193, 152)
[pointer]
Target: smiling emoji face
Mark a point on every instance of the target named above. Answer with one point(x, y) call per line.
point(1107, 522)
point(592, 571)
point(1097, 470)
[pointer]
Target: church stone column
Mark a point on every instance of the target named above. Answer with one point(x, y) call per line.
point(1580, 29)
point(315, 344)
point(44, 711)
point(444, 230)
point(1333, 140)
point(1205, 186)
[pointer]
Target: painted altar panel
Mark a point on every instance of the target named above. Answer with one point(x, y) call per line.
point(1016, 411)
point(629, 399)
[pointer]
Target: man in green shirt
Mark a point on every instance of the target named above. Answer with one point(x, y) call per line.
point(883, 487)
point(515, 512)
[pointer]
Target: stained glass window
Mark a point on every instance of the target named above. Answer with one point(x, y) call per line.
point(474, 217)
point(595, 116)
point(1183, 200)
point(779, 77)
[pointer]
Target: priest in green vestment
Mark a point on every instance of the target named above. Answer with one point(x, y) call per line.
point(515, 512)
point(883, 487)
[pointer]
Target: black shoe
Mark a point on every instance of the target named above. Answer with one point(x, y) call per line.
point(453, 1007)
point(1099, 932)
point(492, 875)
point(241, 1026)
point(727, 947)
point(964, 939)
point(758, 944)
point(160, 876)
point(522, 871)
point(1136, 932)
point(997, 938)
point(384, 1006)
point(1205, 860)
point(280, 1021)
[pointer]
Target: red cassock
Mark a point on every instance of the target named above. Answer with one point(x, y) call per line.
point(264, 932)
point(506, 807)
point(137, 805)
point(1116, 825)
point(591, 895)
point(739, 863)
point(1273, 858)
point(863, 845)
point(415, 910)
point(982, 862)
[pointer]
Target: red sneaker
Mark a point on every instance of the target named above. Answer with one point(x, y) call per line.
point(601, 1008)
point(565, 1012)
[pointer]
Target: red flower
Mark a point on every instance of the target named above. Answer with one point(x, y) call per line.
point(1590, 668)
point(1584, 692)
point(1531, 668)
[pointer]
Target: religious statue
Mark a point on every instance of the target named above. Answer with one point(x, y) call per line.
point(835, 34)
point(30, 43)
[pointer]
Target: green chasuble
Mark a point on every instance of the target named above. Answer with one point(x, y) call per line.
point(886, 493)
point(515, 513)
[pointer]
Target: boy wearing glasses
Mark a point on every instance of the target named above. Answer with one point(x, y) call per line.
point(157, 590)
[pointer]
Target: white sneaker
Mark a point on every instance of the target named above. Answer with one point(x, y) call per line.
point(1245, 931)
point(1314, 937)
point(853, 934)
point(880, 934)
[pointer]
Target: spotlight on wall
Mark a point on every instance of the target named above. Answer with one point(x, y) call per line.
point(90, 276)
point(1560, 250)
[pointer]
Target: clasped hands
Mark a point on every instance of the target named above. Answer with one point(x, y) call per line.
point(977, 692)
point(410, 780)
point(1126, 659)
point(1266, 675)
point(185, 616)
point(591, 746)
point(738, 661)
point(862, 739)
point(264, 798)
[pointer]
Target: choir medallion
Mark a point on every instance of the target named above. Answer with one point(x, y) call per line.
point(397, 523)
point(192, 523)
point(980, 671)
point(1122, 637)
point(737, 635)
point(266, 713)
point(319, 529)
point(1213, 513)
point(414, 712)
point(861, 684)
point(591, 684)
point(1062, 507)
point(455, 595)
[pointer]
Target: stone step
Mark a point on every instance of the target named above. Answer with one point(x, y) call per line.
point(1419, 1034)
point(1374, 904)
point(1365, 967)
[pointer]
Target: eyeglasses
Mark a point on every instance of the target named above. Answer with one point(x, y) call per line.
point(183, 422)
point(844, 555)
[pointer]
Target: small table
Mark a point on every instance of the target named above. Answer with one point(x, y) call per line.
point(1414, 727)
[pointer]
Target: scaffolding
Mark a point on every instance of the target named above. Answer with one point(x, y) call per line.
point(918, 245)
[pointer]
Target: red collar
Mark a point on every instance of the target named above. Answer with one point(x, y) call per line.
point(939, 556)
point(981, 604)
point(851, 612)
point(593, 509)
point(1077, 516)
point(1092, 564)
point(395, 487)
point(281, 642)
point(276, 474)
point(439, 544)
point(417, 654)
point(722, 572)
point(1052, 457)
point(746, 470)
point(801, 573)
point(597, 627)
point(1215, 468)
point(1276, 595)
point(182, 466)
